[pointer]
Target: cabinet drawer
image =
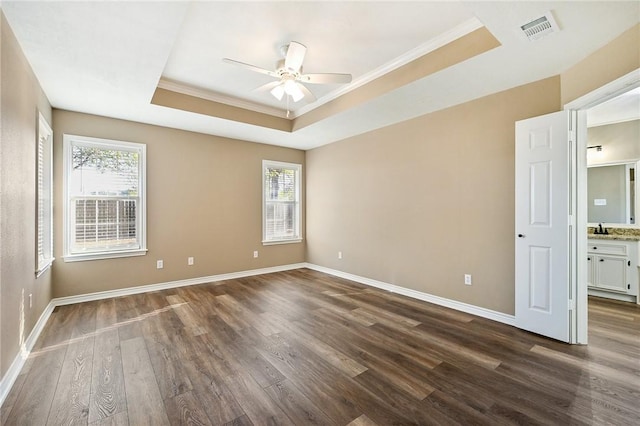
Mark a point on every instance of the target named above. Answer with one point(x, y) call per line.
point(604, 248)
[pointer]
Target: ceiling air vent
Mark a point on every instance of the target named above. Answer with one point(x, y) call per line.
point(541, 27)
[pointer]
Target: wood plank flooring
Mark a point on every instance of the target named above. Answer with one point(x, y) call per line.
point(306, 348)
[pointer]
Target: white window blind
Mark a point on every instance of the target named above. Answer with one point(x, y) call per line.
point(44, 189)
point(281, 206)
point(105, 198)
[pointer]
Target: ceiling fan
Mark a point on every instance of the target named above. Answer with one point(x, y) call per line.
point(289, 74)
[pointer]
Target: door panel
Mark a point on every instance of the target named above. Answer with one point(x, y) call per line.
point(540, 214)
point(542, 225)
point(540, 278)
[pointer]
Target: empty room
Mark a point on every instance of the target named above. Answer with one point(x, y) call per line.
point(319, 212)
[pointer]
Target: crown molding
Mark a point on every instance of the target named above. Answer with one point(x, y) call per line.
point(410, 56)
point(210, 95)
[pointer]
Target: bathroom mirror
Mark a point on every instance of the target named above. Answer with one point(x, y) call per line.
point(611, 194)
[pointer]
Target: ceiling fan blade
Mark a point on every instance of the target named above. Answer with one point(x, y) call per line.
point(251, 67)
point(307, 93)
point(295, 56)
point(267, 87)
point(326, 78)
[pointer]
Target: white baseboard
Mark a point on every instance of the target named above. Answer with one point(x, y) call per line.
point(437, 300)
point(16, 366)
point(172, 284)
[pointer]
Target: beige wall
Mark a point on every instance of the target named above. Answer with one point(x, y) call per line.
point(21, 99)
point(608, 63)
point(204, 200)
point(421, 203)
point(620, 142)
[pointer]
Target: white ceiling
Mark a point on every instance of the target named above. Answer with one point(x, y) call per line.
point(107, 58)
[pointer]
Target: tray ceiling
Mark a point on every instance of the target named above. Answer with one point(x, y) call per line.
point(114, 58)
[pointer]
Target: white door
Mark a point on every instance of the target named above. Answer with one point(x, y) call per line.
point(543, 229)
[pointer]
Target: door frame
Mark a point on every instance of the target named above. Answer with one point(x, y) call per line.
point(602, 94)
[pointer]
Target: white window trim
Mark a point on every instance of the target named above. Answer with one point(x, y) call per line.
point(298, 168)
point(44, 137)
point(106, 143)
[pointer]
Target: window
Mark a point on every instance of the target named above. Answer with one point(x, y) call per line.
point(104, 206)
point(281, 202)
point(44, 190)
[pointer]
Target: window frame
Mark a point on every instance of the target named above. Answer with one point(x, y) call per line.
point(44, 196)
point(141, 217)
point(298, 202)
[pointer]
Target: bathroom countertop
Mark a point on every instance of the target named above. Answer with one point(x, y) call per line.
point(618, 237)
point(619, 234)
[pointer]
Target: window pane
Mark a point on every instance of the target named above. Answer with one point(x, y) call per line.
point(281, 220)
point(104, 183)
point(44, 180)
point(281, 201)
point(104, 224)
point(41, 199)
point(100, 171)
point(280, 184)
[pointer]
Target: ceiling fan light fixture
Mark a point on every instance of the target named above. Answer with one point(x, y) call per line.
point(297, 95)
point(291, 88)
point(278, 92)
point(290, 75)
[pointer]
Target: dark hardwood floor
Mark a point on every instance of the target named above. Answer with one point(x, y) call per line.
point(302, 347)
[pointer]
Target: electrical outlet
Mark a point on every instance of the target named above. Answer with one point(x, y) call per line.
point(467, 279)
point(159, 264)
point(30, 300)
point(189, 260)
point(339, 255)
point(255, 254)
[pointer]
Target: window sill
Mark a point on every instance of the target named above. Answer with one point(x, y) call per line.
point(275, 242)
point(46, 266)
point(104, 255)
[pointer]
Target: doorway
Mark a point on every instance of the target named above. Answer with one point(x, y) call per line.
point(595, 101)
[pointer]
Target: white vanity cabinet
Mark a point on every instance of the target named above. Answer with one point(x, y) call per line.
point(613, 267)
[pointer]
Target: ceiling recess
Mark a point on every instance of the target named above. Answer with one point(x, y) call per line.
point(540, 27)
